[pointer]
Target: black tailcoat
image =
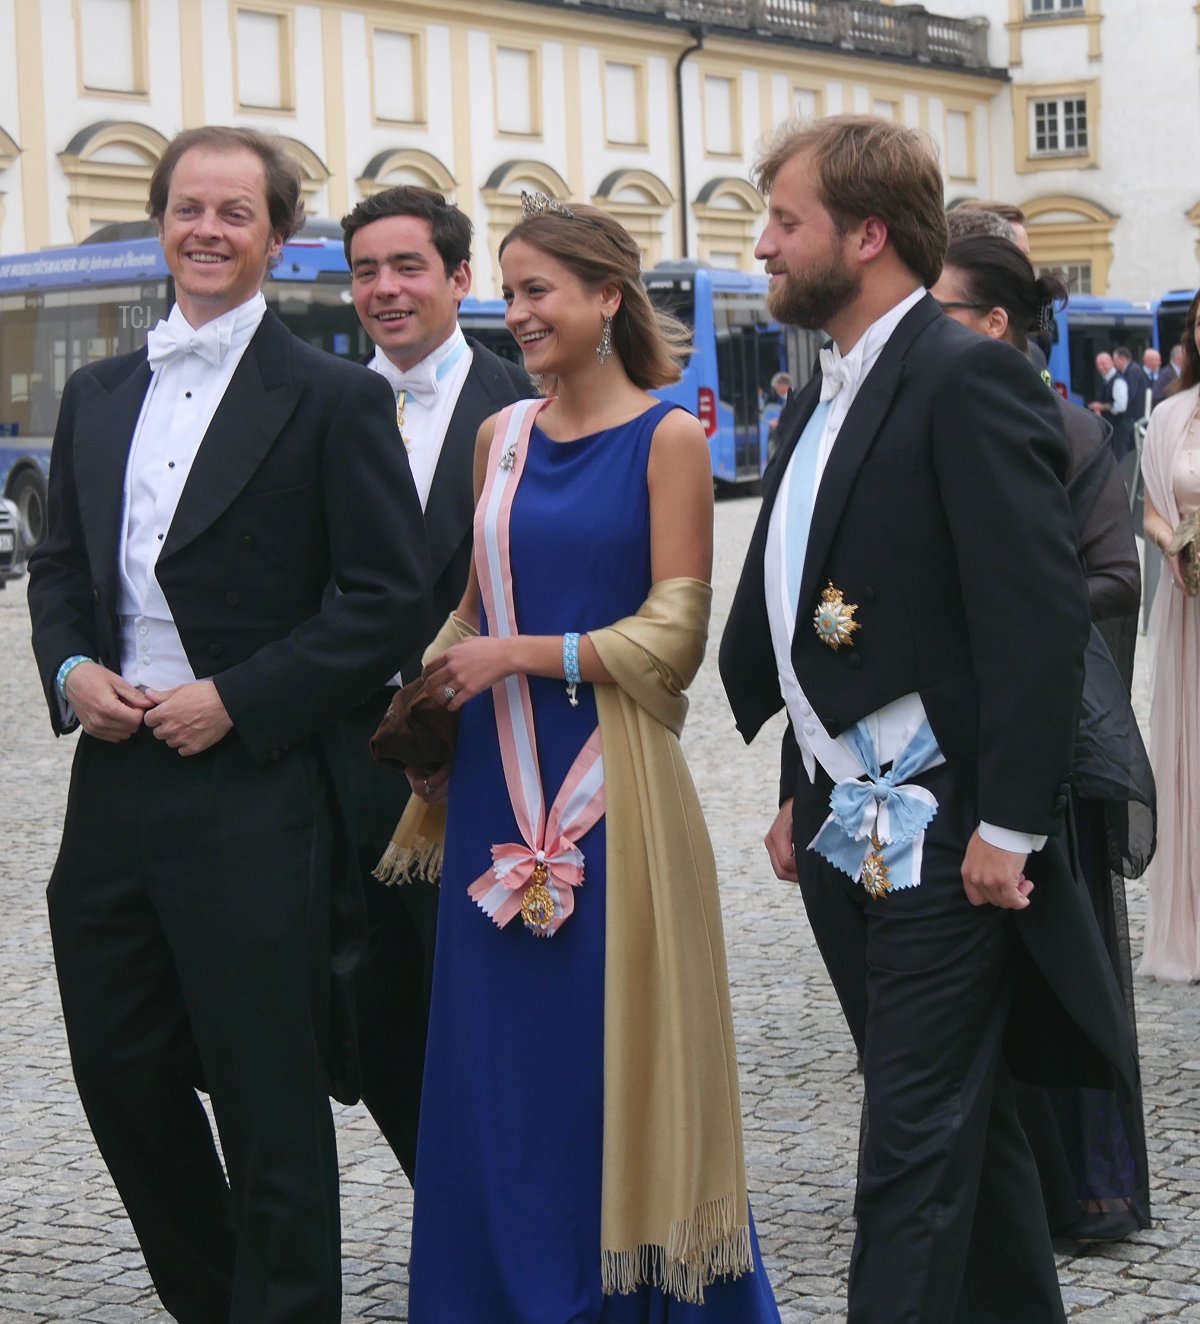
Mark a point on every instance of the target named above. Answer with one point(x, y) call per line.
point(942, 514)
point(395, 977)
point(203, 912)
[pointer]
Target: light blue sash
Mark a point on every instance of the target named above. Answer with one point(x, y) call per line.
point(879, 810)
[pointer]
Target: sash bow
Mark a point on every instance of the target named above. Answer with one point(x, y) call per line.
point(882, 812)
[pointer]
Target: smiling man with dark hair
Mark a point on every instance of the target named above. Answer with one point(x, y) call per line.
point(409, 252)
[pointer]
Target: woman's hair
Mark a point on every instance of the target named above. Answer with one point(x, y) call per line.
point(996, 273)
point(600, 251)
point(1189, 374)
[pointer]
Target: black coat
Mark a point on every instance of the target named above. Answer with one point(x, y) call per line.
point(297, 483)
point(942, 513)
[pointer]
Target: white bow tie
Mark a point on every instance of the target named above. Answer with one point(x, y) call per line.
point(418, 383)
point(166, 342)
point(835, 374)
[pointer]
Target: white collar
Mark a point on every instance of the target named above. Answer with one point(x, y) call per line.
point(426, 377)
point(853, 366)
point(237, 326)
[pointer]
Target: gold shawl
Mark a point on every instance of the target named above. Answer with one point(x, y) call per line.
point(674, 1211)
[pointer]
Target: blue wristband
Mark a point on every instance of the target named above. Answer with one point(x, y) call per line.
point(60, 681)
point(571, 659)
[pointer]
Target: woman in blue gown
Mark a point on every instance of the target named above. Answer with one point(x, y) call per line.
point(614, 495)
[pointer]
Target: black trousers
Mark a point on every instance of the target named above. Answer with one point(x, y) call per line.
point(951, 1226)
point(189, 910)
point(395, 975)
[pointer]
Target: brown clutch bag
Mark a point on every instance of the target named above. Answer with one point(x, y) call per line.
point(416, 732)
point(1186, 545)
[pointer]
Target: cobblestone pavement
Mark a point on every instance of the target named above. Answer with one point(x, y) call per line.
point(66, 1251)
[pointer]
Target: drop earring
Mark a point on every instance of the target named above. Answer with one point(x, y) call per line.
point(605, 348)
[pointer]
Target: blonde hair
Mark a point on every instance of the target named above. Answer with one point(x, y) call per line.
point(600, 251)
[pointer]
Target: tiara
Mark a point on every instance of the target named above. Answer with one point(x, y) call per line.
point(540, 204)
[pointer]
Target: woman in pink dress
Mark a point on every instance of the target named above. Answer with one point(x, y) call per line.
point(1171, 469)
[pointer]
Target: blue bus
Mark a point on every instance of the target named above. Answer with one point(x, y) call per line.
point(737, 349)
point(1170, 317)
point(1087, 326)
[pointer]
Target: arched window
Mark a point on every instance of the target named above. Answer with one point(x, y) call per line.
point(1073, 235)
point(639, 200)
point(108, 167)
point(405, 166)
point(502, 195)
point(313, 173)
point(728, 213)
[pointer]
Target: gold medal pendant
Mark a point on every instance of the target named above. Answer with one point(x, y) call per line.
point(874, 876)
point(537, 906)
point(834, 619)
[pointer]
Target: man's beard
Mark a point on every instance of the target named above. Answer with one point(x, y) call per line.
point(812, 299)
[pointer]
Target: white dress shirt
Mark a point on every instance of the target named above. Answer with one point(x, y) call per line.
point(431, 389)
point(184, 393)
point(894, 725)
point(1120, 400)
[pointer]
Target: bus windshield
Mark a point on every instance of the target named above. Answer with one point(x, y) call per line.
point(676, 296)
point(322, 313)
point(44, 337)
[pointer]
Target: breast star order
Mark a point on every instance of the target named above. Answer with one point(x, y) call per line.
point(834, 619)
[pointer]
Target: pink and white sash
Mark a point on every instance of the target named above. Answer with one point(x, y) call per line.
point(535, 878)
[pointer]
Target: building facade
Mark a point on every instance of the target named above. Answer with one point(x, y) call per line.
point(650, 110)
point(1095, 136)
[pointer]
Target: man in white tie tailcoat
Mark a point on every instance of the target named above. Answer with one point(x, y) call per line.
point(204, 494)
point(409, 253)
point(913, 599)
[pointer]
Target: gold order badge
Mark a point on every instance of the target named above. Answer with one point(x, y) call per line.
point(537, 906)
point(834, 619)
point(875, 879)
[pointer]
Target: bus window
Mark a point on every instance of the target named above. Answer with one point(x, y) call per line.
point(44, 337)
point(321, 313)
point(492, 335)
point(1172, 318)
point(749, 353)
point(675, 296)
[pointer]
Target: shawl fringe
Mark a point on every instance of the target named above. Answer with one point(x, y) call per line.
point(415, 850)
point(708, 1245)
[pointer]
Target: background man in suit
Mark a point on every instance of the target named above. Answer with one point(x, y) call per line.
point(203, 496)
point(915, 517)
point(1115, 402)
point(1151, 365)
point(1138, 389)
point(409, 253)
point(1166, 376)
